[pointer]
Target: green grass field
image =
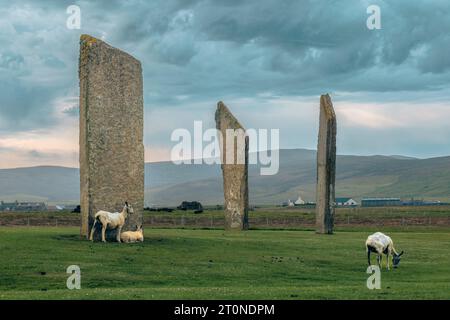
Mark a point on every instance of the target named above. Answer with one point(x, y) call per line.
point(213, 264)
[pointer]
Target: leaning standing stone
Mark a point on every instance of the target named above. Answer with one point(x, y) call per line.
point(326, 167)
point(234, 158)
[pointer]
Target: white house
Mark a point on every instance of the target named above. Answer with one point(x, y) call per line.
point(345, 202)
point(299, 201)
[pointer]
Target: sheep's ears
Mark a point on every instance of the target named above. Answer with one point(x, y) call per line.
point(401, 253)
point(126, 203)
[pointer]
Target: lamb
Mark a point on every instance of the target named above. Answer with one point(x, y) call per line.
point(133, 236)
point(110, 220)
point(381, 243)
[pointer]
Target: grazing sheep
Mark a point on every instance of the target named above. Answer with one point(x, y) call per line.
point(133, 236)
point(381, 243)
point(110, 220)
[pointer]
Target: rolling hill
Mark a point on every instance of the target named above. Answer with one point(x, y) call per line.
point(169, 184)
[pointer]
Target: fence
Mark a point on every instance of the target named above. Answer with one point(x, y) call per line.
point(210, 221)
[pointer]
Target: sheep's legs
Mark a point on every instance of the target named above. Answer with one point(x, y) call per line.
point(119, 230)
point(91, 237)
point(379, 260)
point(387, 257)
point(368, 257)
point(103, 232)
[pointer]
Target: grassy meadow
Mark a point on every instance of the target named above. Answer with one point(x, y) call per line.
point(213, 264)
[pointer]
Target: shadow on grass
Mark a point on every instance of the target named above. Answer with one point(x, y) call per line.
point(67, 237)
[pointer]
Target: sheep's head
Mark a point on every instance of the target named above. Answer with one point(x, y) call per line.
point(396, 259)
point(128, 208)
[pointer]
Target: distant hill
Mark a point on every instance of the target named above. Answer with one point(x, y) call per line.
point(43, 183)
point(169, 184)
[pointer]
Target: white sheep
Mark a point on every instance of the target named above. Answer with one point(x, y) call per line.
point(381, 243)
point(133, 236)
point(111, 221)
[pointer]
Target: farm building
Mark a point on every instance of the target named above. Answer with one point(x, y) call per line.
point(288, 203)
point(190, 205)
point(380, 202)
point(345, 202)
point(416, 202)
point(299, 201)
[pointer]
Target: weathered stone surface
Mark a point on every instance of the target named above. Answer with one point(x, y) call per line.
point(234, 169)
point(111, 133)
point(326, 167)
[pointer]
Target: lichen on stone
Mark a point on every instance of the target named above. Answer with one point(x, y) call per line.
point(87, 39)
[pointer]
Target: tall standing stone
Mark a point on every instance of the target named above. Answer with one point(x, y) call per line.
point(234, 159)
point(326, 167)
point(111, 133)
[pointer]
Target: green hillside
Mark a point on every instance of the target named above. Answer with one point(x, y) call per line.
point(357, 177)
point(169, 184)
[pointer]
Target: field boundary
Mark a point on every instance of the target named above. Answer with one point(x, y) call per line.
point(255, 222)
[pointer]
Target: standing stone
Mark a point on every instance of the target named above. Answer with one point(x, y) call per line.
point(234, 159)
point(326, 167)
point(111, 133)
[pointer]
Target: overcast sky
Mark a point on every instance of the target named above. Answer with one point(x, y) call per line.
point(269, 61)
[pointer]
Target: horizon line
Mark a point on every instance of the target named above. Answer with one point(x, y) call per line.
point(406, 157)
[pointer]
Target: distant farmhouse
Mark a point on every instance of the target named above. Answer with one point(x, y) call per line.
point(299, 201)
point(345, 202)
point(22, 206)
point(380, 202)
point(288, 203)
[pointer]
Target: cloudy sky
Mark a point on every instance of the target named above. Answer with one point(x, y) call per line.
point(268, 60)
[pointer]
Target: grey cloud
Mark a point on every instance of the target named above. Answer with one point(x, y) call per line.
point(72, 111)
point(10, 60)
point(285, 34)
point(203, 50)
point(298, 47)
point(25, 108)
